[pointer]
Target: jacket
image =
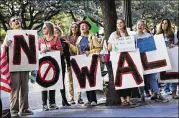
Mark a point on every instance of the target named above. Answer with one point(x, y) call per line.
point(92, 42)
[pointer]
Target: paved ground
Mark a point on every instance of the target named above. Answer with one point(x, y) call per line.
point(151, 109)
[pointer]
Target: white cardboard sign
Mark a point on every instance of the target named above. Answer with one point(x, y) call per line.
point(83, 69)
point(49, 75)
point(160, 55)
point(125, 66)
point(172, 74)
point(23, 52)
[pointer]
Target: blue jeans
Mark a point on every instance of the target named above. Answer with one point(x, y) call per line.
point(152, 78)
point(168, 85)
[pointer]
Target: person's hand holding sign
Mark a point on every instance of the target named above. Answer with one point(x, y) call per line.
point(87, 53)
point(8, 43)
point(45, 50)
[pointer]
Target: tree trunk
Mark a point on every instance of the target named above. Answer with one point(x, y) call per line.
point(72, 15)
point(109, 16)
point(109, 20)
point(112, 97)
point(127, 12)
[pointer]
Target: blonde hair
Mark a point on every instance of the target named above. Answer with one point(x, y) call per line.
point(59, 29)
point(140, 20)
point(50, 27)
point(169, 32)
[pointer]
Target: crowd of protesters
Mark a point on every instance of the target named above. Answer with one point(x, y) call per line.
point(81, 41)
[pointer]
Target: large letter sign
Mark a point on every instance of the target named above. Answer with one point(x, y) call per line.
point(20, 43)
point(127, 69)
point(157, 60)
point(171, 75)
point(86, 68)
point(23, 51)
point(49, 76)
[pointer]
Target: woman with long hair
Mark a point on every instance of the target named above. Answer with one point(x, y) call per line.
point(72, 38)
point(121, 31)
point(151, 78)
point(48, 43)
point(165, 28)
point(87, 44)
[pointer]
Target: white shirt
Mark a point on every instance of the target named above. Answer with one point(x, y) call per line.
point(113, 38)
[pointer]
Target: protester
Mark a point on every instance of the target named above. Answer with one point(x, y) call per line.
point(72, 38)
point(150, 77)
point(121, 31)
point(87, 44)
point(19, 80)
point(165, 28)
point(48, 43)
point(65, 60)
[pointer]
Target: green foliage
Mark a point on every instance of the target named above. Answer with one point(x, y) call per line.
point(65, 20)
point(2, 34)
point(154, 11)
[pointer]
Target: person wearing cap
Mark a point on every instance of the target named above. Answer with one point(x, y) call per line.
point(19, 80)
point(72, 38)
point(87, 44)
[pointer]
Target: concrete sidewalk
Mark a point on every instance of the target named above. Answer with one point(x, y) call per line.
point(152, 109)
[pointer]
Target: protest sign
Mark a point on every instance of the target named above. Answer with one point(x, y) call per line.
point(23, 54)
point(127, 69)
point(49, 76)
point(86, 72)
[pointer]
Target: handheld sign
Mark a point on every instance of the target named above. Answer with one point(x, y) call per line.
point(127, 69)
point(86, 72)
point(49, 76)
point(157, 60)
point(146, 44)
point(23, 54)
point(171, 75)
point(124, 44)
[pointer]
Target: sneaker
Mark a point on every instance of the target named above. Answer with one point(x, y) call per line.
point(80, 101)
point(176, 97)
point(167, 93)
point(45, 108)
point(14, 114)
point(160, 98)
point(87, 104)
point(26, 112)
point(53, 107)
point(174, 94)
point(72, 102)
point(154, 96)
point(93, 103)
